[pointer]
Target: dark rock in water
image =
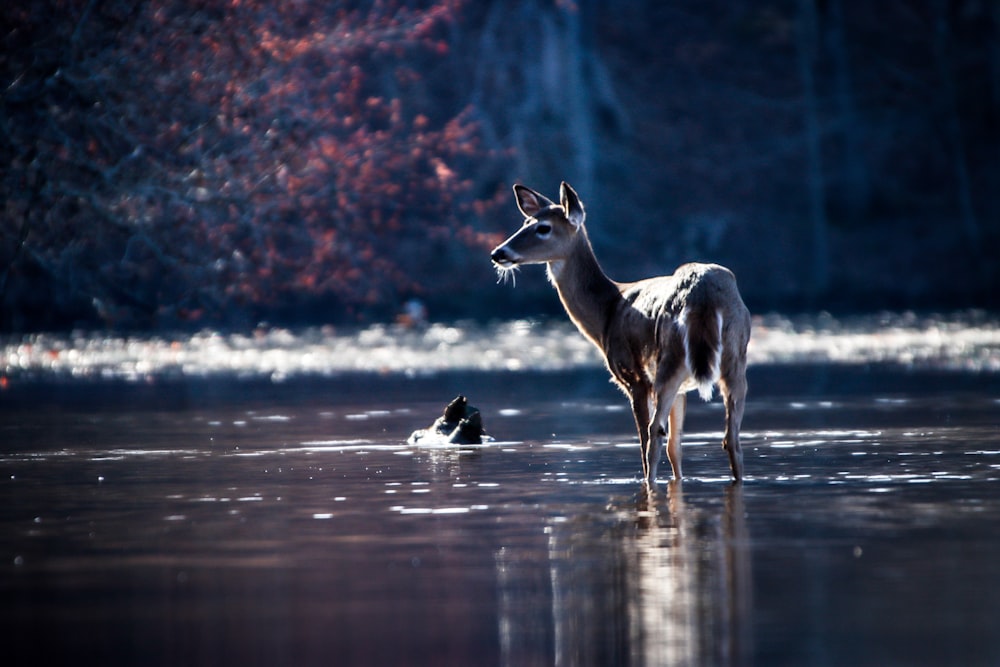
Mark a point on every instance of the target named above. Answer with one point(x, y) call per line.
point(460, 424)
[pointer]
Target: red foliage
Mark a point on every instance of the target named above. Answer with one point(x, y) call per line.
point(203, 160)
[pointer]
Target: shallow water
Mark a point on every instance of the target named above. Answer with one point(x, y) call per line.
point(229, 522)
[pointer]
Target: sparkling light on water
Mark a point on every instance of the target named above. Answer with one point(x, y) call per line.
point(968, 341)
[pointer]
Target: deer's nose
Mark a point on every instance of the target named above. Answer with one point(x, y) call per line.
point(500, 256)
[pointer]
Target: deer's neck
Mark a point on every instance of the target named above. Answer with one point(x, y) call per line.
point(588, 295)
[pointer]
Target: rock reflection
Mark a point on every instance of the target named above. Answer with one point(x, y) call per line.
point(652, 581)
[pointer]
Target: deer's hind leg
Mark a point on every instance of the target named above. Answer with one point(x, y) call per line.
point(734, 392)
point(676, 423)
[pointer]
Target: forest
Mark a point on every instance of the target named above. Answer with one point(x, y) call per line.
point(180, 164)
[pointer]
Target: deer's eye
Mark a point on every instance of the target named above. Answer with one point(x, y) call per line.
point(543, 230)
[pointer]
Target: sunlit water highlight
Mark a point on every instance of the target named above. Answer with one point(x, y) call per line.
point(968, 341)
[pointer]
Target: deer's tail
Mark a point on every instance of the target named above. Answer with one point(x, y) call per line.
point(703, 346)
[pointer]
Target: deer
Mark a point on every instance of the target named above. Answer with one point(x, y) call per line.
point(660, 337)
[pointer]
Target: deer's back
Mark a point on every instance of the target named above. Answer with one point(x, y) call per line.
point(646, 325)
point(693, 285)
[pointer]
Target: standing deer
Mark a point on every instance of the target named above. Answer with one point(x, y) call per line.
point(660, 337)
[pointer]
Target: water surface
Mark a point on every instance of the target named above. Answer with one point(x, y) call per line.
point(248, 522)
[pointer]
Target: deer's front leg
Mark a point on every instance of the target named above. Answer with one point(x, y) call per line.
point(668, 381)
point(639, 399)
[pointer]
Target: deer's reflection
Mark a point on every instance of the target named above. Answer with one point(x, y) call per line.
point(652, 581)
point(688, 590)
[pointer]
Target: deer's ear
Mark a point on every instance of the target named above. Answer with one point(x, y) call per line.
point(529, 201)
point(571, 204)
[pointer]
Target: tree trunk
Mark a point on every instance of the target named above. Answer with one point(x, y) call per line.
point(995, 57)
point(855, 174)
point(953, 123)
point(541, 86)
point(815, 182)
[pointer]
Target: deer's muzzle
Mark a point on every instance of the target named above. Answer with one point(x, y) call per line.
point(503, 257)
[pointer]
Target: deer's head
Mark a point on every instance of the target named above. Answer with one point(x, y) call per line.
point(548, 232)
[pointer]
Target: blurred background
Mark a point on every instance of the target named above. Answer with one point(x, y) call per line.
point(181, 164)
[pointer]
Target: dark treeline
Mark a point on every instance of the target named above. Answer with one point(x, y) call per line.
point(174, 163)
